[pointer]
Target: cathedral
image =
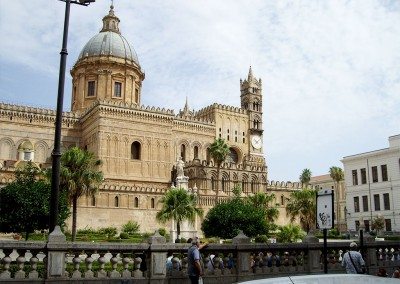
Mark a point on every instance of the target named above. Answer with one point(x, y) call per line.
point(141, 145)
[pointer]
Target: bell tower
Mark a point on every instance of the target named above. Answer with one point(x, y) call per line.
point(251, 100)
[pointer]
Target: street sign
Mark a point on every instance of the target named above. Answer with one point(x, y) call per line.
point(325, 218)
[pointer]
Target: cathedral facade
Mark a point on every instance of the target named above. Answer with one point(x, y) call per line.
point(140, 145)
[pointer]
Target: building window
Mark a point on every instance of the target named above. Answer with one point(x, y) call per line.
point(388, 225)
point(365, 203)
point(376, 202)
point(91, 88)
point(135, 150)
point(137, 96)
point(224, 184)
point(27, 156)
point(244, 139)
point(93, 201)
point(374, 174)
point(355, 178)
point(117, 89)
point(196, 152)
point(282, 200)
point(152, 203)
point(212, 183)
point(386, 201)
point(384, 172)
point(366, 224)
point(232, 156)
point(363, 176)
point(116, 201)
point(136, 202)
point(208, 155)
point(356, 204)
point(183, 152)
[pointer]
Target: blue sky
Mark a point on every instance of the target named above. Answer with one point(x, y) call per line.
point(330, 69)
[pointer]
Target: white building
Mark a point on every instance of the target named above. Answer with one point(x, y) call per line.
point(373, 186)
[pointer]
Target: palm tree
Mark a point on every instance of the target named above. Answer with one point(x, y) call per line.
point(305, 176)
point(178, 205)
point(79, 175)
point(302, 204)
point(219, 150)
point(263, 201)
point(337, 175)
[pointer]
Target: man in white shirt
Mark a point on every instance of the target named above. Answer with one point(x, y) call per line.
point(353, 260)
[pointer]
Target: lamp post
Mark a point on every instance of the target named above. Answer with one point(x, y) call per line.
point(56, 154)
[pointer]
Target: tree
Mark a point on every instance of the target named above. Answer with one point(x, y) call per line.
point(337, 175)
point(219, 150)
point(79, 176)
point(289, 234)
point(305, 177)
point(178, 205)
point(263, 201)
point(226, 219)
point(302, 204)
point(24, 203)
point(378, 224)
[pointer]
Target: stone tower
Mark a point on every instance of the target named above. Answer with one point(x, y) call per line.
point(251, 101)
point(107, 69)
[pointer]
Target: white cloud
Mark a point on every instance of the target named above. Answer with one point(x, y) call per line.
point(330, 69)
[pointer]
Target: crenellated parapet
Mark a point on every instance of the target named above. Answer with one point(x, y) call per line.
point(211, 108)
point(286, 185)
point(33, 114)
point(112, 187)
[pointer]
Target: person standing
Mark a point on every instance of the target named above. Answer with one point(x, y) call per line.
point(194, 266)
point(353, 261)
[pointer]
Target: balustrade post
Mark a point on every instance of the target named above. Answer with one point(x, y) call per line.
point(158, 267)
point(56, 247)
point(314, 253)
point(243, 257)
point(369, 253)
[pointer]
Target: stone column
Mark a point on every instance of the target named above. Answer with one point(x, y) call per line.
point(243, 257)
point(314, 253)
point(158, 268)
point(369, 253)
point(56, 246)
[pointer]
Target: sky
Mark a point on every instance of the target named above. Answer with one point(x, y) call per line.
point(330, 69)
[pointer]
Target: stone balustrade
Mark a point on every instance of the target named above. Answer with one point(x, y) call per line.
point(59, 261)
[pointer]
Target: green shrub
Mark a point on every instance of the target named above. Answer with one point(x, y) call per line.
point(108, 232)
point(130, 228)
point(124, 235)
point(261, 239)
point(86, 231)
point(289, 234)
point(162, 231)
point(332, 233)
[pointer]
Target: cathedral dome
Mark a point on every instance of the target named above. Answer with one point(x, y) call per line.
point(109, 42)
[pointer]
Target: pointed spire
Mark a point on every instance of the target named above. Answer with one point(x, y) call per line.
point(110, 22)
point(250, 76)
point(186, 108)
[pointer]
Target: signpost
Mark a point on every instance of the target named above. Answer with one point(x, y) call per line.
point(325, 218)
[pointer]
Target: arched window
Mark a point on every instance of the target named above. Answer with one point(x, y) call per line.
point(252, 187)
point(93, 201)
point(282, 200)
point(135, 150)
point(116, 201)
point(225, 184)
point(196, 152)
point(212, 183)
point(244, 186)
point(136, 202)
point(232, 156)
point(152, 203)
point(183, 152)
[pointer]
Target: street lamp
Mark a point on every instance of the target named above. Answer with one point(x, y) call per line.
point(56, 154)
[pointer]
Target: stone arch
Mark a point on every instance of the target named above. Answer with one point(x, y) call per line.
point(7, 149)
point(245, 180)
point(26, 150)
point(183, 149)
point(41, 152)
